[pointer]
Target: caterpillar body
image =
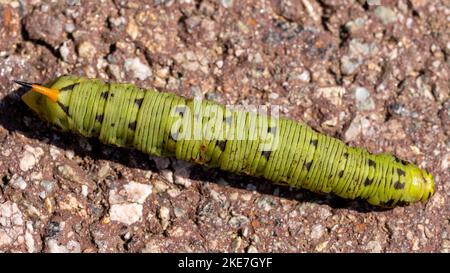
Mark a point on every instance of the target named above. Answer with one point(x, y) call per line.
point(278, 149)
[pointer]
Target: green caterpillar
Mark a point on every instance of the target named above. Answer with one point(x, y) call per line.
point(278, 149)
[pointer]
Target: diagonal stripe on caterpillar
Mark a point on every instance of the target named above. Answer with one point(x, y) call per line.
point(240, 141)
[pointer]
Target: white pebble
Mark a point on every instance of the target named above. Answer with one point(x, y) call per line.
point(164, 213)
point(363, 100)
point(137, 192)
point(126, 213)
point(70, 154)
point(86, 50)
point(374, 247)
point(64, 51)
point(84, 190)
point(71, 247)
point(18, 182)
point(317, 231)
point(30, 157)
point(305, 76)
point(54, 152)
point(168, 175)
point(183, 181)
point(29, 241)
point(273, 96)
point(69, 27)
point(137, 68)
point(252, 249)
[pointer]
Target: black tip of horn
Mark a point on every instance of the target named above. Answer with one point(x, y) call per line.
point(24, 84)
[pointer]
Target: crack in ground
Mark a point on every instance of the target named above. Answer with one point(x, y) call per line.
point(38, 42)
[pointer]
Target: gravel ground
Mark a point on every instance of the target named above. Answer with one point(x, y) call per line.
point(374, 73)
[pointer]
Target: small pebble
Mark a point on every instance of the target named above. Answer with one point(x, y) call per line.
point(132, 29)
point(128, 213)
point(178, 212)
point(30, 157)
point(138, 69)
point(55, 247)
point(226, 3)
point(64, 51)
point(54, 152)
point(374, 247)
point(238, 221)
point(86, 50)
point(266, 203)
point(305, 76)
point(252, 249)
point(137, 192)
point(18, 182)
point(364, 102)
point(164, 215)
point(385, 14)
point(68, 173)
point(84, 190)
point(236, 244)
point(70, 154)
point(69, 27)
point(317, 231)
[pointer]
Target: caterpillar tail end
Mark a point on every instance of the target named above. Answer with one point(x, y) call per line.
point(47, 102)
point(52, 94)
point(31, 99)
point(24, 84)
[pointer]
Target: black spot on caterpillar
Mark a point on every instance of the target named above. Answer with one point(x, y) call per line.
point(99, 118)
point(308, 165)
point(104, 95)
point(221, 144)
point(139, 102)
point(278, 149)
point(266, 154)
point(68, 88)
point(132, 125)
point(401, 172)
point(65, 108)
point(368, 182)
point(398, 185)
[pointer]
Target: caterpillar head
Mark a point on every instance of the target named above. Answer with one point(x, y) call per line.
point(418, 185)
point(422, 185)
point(50, 102)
